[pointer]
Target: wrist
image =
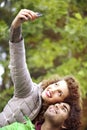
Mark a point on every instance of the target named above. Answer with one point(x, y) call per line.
point(15, 34)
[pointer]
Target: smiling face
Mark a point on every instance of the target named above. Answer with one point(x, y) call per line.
point(56, 92)
point(57, 114)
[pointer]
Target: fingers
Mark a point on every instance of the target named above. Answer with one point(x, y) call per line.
point(25, 15)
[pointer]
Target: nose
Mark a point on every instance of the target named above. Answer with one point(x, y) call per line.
point(57, 105)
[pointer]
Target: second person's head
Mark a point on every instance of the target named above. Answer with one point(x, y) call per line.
point(60, 89)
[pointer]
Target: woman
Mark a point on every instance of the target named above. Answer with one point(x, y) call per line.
point(29, 96)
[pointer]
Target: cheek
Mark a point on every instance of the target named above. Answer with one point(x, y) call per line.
point(56, 98)
point(44, 90)
point(66, 92)
point(65, 116)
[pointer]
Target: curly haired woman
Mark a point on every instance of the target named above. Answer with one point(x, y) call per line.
point(29, 97)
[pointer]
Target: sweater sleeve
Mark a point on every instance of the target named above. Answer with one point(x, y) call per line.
point(18, 68)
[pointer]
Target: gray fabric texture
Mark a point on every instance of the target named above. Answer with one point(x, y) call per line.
point(27, 94)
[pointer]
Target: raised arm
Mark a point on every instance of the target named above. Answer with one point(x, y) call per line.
point(23, 16)
point(19, 72)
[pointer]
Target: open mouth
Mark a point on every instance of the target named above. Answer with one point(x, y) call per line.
point(48, 94)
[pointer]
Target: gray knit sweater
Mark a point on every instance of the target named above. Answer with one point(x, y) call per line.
point(26, 100)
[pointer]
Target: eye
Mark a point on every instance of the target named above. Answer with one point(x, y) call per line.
point(60, 93)
point(64, 108)
point(56, 84)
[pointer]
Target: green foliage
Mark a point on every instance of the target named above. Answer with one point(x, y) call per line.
point(45, 53)
point(3, 30)
point(55, 43)
point(5, 96)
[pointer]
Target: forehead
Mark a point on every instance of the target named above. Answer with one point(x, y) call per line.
point(62, 85)
point(62, 82)
point(64, 104)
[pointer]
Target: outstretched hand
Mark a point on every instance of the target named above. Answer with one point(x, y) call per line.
point(23, 16)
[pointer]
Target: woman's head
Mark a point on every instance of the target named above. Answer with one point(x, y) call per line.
point(58, 90)
point(55, 92)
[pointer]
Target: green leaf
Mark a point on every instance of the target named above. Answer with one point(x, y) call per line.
point(78, 16)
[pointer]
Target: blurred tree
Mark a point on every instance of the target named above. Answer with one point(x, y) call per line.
point(55, 43)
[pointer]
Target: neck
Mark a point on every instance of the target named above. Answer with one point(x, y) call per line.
point(49, 126)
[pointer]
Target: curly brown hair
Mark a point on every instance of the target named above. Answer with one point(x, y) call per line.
point(74, 90)
point(73, 86)
point(73, 99)
point(74, 120)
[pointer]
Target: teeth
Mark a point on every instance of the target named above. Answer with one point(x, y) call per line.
point(48, 93)
point(52, 110)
